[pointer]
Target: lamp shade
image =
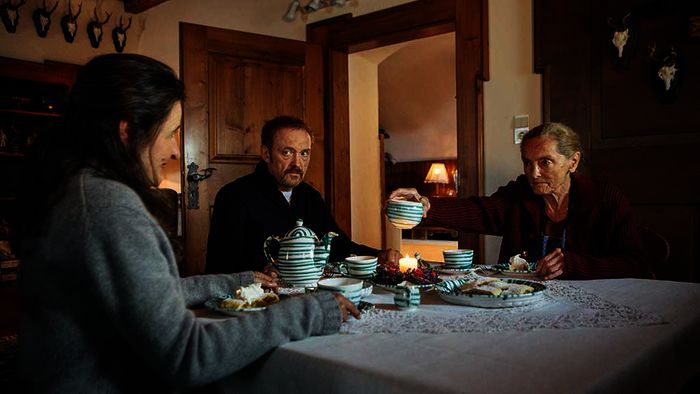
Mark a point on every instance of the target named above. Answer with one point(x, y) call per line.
point(437, 174)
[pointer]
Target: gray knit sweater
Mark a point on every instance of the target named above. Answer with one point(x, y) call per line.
point(104, 309)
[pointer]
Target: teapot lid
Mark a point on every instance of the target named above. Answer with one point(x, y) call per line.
point(300, 231)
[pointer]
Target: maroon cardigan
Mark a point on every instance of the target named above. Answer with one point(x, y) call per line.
point(601, 237)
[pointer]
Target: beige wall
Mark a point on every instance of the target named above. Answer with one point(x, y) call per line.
point(364, 151)
point(512, 90)
point(160, 37)
point(417, 106)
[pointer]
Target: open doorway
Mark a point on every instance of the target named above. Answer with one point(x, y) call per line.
point(408, 91)
point(345, 35)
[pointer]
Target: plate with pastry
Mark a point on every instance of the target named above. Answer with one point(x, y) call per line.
point(246, 299)
point(517, 267)
point(490, 292)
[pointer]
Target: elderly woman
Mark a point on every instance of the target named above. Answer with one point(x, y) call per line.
point(103, 306)
point(570, 225)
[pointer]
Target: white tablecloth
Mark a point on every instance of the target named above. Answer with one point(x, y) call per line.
point(658, 355)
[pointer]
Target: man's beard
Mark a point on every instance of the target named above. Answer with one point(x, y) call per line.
point(289, 182)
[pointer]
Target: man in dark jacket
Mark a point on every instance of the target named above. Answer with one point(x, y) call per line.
point(270, 200)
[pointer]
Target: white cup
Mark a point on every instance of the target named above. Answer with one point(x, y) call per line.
point(360, 266)
point(458, 258)
point(348, 287)
point(404, 214)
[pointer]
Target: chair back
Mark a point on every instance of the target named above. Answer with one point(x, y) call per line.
point(657, 248)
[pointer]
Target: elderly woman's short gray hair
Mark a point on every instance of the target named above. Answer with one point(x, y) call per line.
point(568, 142)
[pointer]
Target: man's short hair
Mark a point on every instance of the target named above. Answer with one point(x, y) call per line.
point(278, 123)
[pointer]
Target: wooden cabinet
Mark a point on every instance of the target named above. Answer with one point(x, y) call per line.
point(31, 103)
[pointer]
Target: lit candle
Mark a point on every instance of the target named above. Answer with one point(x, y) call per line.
point(407, 263)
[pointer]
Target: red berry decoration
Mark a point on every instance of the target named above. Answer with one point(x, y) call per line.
point(390, 275)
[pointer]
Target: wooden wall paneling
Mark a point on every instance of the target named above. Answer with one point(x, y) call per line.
point(244, 95)
point(648, 119)
point(48, 72)
point(314, 115)
point(632, 138)
point(634, 130)
point(680, 225)
point(338, 148)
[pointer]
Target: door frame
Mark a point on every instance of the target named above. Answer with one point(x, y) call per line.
point(345, 34)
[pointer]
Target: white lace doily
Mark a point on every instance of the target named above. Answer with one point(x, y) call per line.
point(564, 306)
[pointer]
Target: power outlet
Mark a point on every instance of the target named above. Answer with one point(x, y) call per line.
point(521, 125)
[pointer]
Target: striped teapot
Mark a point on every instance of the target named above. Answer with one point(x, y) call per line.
point(295, 260)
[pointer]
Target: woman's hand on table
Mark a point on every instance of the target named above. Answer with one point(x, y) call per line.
point(346, 307)
point(410, 194)
point(267, 281)
point(551, 265)
point(389, 256)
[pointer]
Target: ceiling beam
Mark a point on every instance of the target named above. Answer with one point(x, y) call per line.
point(138, 6)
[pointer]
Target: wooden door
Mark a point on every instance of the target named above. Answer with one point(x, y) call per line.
point(234, 82)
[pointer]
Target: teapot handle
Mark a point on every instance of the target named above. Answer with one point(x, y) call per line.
point(266, 247)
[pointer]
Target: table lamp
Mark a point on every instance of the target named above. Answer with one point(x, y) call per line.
point(438, 175)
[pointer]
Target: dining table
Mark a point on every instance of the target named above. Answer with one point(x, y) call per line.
point(608, 335)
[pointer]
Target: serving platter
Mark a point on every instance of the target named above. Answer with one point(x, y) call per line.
point(449, 293)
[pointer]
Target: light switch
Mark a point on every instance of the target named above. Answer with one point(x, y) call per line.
point(521, 125)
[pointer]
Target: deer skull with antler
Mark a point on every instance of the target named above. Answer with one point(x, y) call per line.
point(119, 35)
point(9, 13)
point(42, 19)
point(94, 29)
point(69, 23)
point(665, 65)
point(621, 33)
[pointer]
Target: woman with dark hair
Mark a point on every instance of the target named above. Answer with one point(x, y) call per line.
point(103, 306)
point(570, 225)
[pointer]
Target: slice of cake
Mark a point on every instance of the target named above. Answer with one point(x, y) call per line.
point(251, 296)
point(517, 263)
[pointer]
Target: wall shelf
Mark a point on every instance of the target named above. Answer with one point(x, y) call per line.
point(30, 113)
